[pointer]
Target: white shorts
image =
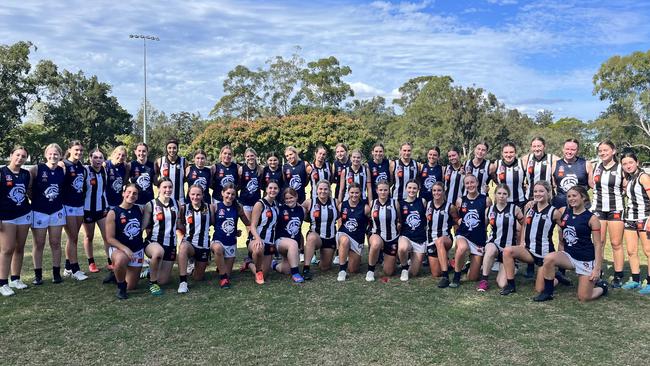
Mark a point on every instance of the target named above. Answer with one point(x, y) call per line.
point(580, 267)
point(73, 211)
point(43, 220)
point(420, 248)
point(248, 209)
point(138, 257)
point(229, 251)
point(473, 248)
point(25, 219)
point(354, 245)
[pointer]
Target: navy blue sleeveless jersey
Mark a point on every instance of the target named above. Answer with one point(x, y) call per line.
point(289, 222)
point(268, 175)
point(472, 213)
point(200, 177)
point(354, 221)
point(428, 176)
point(224, 174)
point(568, 175)
point(142, 175)
point(296, 178)
point(225, 223)
point(73, 183)
point(128, 227)
point(46, 191)
point(13, 193)
point(338, 168)
point(577, 235)
point(249, 186)
point(414, 220)
point(378, 171)
point(115, 181)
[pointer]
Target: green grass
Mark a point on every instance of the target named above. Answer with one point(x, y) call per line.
point(321, 321)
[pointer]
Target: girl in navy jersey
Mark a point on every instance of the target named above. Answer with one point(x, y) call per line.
point(454, 174)
point(430, 173)
point(95, 205)
point(199, 174)
point(124, 235)
point(413, 236)
point(48, 212)
point(288, 235)
point(580, 249)
point(379, 167)
point(161, 218)
point(403, 170)
point(262, 229)
point(352, 231)
point(225, 171)
point(540, 219)
point(385, 220)
point(479, 166)
point(637, 213)
point(504, 219)
point(173, 167)
point(510, 171)
point(570, 171)
point(141, 173)
point(295, 173)
point(272, 170)
point(323, 214)
point(608, 204)
point(539, 165)
point(250, 175)
point(15, 219)
point(356, 173)
point(471, 234)
point(341, 161)
point(117, 170)
point(73, 203)
point(441, 217)
point(319, 170)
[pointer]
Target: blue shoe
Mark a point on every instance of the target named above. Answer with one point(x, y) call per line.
point(297, 278)
point(631, 285)
point(645, 290)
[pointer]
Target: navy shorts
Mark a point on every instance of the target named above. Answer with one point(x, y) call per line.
point(609, 215)
point(90, 217)
point(390, 247)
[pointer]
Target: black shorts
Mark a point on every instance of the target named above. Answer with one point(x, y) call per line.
point(169, 252)
point(328, 243)
point(432, 250)
point(536, 260)
point(609, 215)
point(390, 247)
point(638, 225)
point(269, 249)
point(201, 254)
point(90, 216)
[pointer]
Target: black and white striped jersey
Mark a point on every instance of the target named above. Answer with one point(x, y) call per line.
point(403, 174)
point(482, 172)
point(355, 176)
point(176, 172)
point(268, 221)
point(197, 226)
point(384, 219)
point(608, 188)
point(439, 221)
point(454, 185)
point(95, 190)
point(163, 222)
point(323, 217)
point(537, 170)
point(638, 203)
point(513, 175)
point(539, 231)
point(503, 225)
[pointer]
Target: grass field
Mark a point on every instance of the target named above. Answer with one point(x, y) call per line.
point(321, 321)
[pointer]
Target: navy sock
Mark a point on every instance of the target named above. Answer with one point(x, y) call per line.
point(38, 272)
point(223, 276)
point(109, 261)
point(56, 272)
point(511, 283)
point(14, 278)
point(294, 270)
point(445, 274)
point(563, 271)
point(183, 278)
point(371, 268)
point(484, 277)
point(67, 265)
point(4, 282)
point(457, 276)
point(619, 274)
point(91, 260)
point(405, 266)
point(153, 283)
point(75, 267)
point(636, 277)
point(121, 285)
point(305, 268)
point(549, 286)
point(343, 267)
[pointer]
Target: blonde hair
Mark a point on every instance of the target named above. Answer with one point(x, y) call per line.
point(55, 147)
point(118, 149)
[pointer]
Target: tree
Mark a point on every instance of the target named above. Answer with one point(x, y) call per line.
point(544, 118)
point(410, 90)
point(282, 83)
point(322, 84)
point(16, 86)
point(243, 94)
point(374, 114)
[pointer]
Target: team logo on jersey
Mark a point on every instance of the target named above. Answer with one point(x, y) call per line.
point(9, 180)
point(413, 220)
point(165, 170)
point(227, 179)
point(597, 173)
point(144, 181)
point(228, 226)
point(51, 192)
point(78, 183)
point(400, 171)
point(471, 219)
point(381, 176)
point(17, 194)
point(202, 182)
point(295, 182)
point(570, 236)
point(493, 219)
point(293, 226)
point(252, 185)
point(351, 225)
point(316, 211)
point(189, 218)
point(132, 228)
point(502, 173)
point(568, 182)
point(315, 175)
point(428, 183)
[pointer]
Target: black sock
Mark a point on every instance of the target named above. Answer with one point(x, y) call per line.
point(343, 267)
point(109, 261)
point(153, 283)
point(38, 272)
point(305, 268)
point(183, 278)
point(75, 267)
point(549, 286)
point(647, 279)
point(223, 276)
point(405, 266)
point(619, 274)
point(14, 278)
point(294, 270)
point(445, 274)
point(4, 282)
point(636, 277)
point(121, 285)
point(563, 271)
point(457, 276)
point(511, 283)
point(371, 268)
point(91, 260)
point(67, 265)
point(56, 272)
point(530, 268)
point(484, 277)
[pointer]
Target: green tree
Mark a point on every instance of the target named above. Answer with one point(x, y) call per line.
point(374, 114)
point(243, 94)
point(544, 118)
point(16, 86)
point(282, 83)
point(322, 84)
point(410, 90)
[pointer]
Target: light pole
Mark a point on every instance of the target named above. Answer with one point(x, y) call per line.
point(144, 47)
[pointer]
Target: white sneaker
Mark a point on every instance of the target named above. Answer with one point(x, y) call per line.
point(370, 276)
point(336, 260)
point(404, 276)
point(79, 276)
point(302, 257)
point(144, 273)
point(495, 266)
point(190, 266)
point(67, 272)
point(342, 276)
point(17, 284)
point(182, 288)
point(5, 290)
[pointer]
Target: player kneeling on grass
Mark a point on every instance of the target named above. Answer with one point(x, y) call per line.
point(288, 235)
point(322, 231)
point(352, 232)
point(385, 221)
point(124, 235)
point(582, 250)
point(503, 218)
point(262, 231)
point(413, 238)
point(441, 217)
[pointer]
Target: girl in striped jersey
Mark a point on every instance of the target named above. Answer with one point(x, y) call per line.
point(15, 219)
point(117, 170)
point(510, 171)
point(430, 173)
point(608, 204)
point(504, 218)
point(637, 213)
point(288, 235)
point(441, 217)
point(352, 231)
point(471, 234)
point(295, 173)
point(539, 165)
point(196, 216)
point(480, 167)
point(200, 175)
point(356, 173)
point(537, 230)
point(385, 220)
point(250, 175)
point(403, 170)
point(173, 167)
point(73, 202)
point(95, 206)
point(580, 249)
point(454, 174)
point(341, 161)
point(379, 167)
point(262, 229)
point(322, 231)
point(161, 220)
point(141, 173)
point(319, 170)
point(225, 171)
point(413, 236)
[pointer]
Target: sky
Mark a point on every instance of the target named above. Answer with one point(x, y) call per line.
point(533, 55)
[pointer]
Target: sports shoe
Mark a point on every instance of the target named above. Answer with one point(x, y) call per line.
point(182, 288)
point(245, 265)
point(259, 278)
point(443, 283)
point(190, 266)
point(121, 294)
point(144, 273)
point(530, 272)
point(604, 285)
point(616, 282)
point(631, 285)
point(67, 272)
point(224, 283)
point(404, 276)
point(110, 278)
point(314, 260)
point(302, 257)
point(454, 284)
point(336, 260)
point(17, 284)
point(297, 278)
point(509, 289)
point(543, 297)
point(482, 286)
point(92, 268)
point(342, 276)
point(155, 289)
point(79, 276)
point(5, 290)
point(307, 275)
point(495, 266)
point(37, 281)
point(57, 279)
point(562, 279)
point(370, 276)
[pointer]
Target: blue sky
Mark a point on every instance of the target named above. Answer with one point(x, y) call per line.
point(531, 54)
